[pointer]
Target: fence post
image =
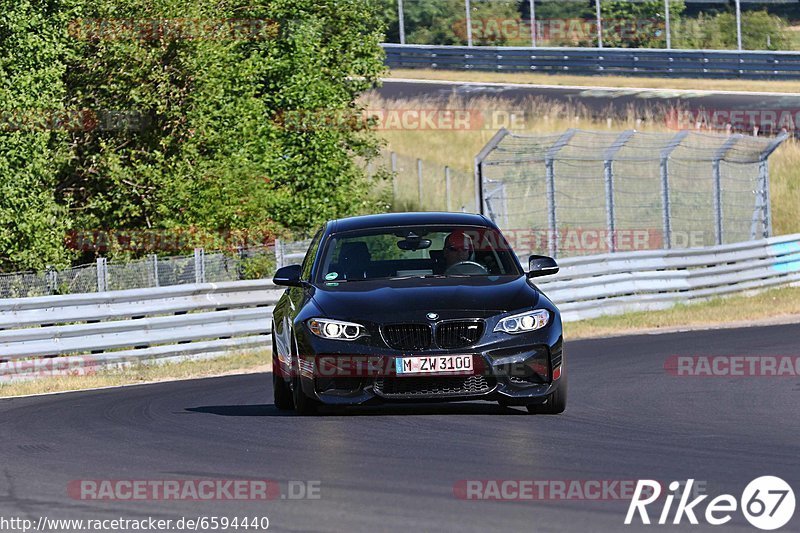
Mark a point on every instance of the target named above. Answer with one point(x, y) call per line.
point(419, 181)
point(154, 264)
point(278, 253)
point(52, 280)
point(401, 21)
point(102, 274)
point(478, 166)
point(550, 176)
point(608, 173)
point(763, 174)
point(393, 159)
point(599, 24)
point(665, 199)
point(766, 208)
point(468, 10)
point(199, 265)
point(715, 166)
point(447, 187)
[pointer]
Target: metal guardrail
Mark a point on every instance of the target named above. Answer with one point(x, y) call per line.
point(591, 286)
point(118, 327)
point(210, 319)
point(622, 61)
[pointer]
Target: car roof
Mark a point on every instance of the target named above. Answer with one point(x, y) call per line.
point(407, 219)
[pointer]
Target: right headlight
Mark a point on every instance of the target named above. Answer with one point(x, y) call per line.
point(524, 322)
point(336, 329)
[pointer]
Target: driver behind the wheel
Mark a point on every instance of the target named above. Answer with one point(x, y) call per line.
point(458, 247)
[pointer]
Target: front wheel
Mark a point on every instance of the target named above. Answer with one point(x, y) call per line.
point(556, 402)
point(303, 405)
point(281, 393)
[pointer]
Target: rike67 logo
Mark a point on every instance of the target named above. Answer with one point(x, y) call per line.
point(767, 503)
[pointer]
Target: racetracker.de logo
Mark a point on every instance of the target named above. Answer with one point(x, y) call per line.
point(727, 366)
point(191, 489)
point(401, 119)
point(131, 29)
point(751, 120)
point(559, 29)
point(544, 489)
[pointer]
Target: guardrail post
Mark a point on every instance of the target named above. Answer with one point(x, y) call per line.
point(102, 274)
point(154, 266)
point(199, 265)
point(550, 177)
point(608, 168)
point(665, 199)
point(447, 187)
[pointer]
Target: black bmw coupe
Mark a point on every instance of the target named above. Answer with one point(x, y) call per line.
point(419, 307)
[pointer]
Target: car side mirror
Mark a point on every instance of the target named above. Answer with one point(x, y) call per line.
point(288, 276)
point(541, 265)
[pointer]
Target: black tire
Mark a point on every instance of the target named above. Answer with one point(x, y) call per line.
point(303, 405)
point(282, 394)
point(556, 403)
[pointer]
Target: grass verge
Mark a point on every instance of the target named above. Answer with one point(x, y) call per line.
point(775, 305)
point(235, 363)
point(691, 84)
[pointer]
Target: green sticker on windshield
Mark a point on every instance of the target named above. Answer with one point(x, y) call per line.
point(332, 275)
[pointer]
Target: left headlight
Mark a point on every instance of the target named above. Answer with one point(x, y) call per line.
point(524, 322)
point(336, 329)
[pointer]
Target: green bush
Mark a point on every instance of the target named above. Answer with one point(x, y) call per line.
point(181, 130)
point(760, 31)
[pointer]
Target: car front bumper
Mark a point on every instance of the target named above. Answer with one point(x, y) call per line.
point(519, 369)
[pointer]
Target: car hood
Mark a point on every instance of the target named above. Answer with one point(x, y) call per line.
point(413, 298)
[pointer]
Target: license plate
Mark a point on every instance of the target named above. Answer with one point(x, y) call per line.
point(447, 364)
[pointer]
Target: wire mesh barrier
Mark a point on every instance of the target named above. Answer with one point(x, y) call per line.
point(584, 192)
point(153, 271)
point(428, 186)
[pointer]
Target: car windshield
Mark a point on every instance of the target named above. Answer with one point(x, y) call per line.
point(416, 251)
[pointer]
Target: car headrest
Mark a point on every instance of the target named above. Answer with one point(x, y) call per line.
point(354, 252)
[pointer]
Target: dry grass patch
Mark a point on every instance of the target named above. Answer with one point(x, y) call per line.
point(235, 363)
point(775, 305)
point(691, 84)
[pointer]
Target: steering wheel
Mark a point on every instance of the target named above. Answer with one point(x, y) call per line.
point(466, 268)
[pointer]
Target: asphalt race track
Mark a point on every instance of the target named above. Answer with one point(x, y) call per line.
point(395, 468)
point(600, 100)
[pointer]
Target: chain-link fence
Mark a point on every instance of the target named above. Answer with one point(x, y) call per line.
point(152, 271)
point(584, 192)
point(419, 185)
